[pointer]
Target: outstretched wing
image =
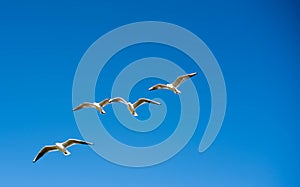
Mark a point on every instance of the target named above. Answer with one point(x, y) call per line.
point(144, 100)
point(119, 100)
point(43, 151)
point(182, 78)
point(84, 105)
point(158, 86)
point(70, 142)
point(104, 102)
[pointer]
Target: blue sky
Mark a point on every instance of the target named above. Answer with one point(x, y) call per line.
point(255, 42)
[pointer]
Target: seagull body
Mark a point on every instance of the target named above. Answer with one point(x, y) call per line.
point(62, 147)
point(98, 106)
point(174, 85)
point(132, 106)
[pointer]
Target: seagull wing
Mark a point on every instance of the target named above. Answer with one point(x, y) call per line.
point(144, 100)
point(158, 86)
point(104, 102)
point(119, 100)
point(70, 142)
point(84, 105)
point(43, 151)
point(182, 78)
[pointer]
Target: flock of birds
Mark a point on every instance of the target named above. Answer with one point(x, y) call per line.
point(62, 147)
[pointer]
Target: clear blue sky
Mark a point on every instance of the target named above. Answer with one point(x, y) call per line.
point(256, 44)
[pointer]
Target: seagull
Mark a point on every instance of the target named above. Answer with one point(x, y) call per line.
point(62, 147)
point(98, 106)
point(131, 107)
point(174, 85)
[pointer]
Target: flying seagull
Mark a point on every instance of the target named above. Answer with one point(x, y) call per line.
point(62, 147)
point(98, 106)
point(131, 107)
point(174, 85)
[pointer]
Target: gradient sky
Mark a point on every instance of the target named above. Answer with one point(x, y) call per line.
point(255, 42)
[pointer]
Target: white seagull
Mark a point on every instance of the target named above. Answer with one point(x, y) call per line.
point(131, 107)
point(174, 85)
point(98, 106)
point(62, 147)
